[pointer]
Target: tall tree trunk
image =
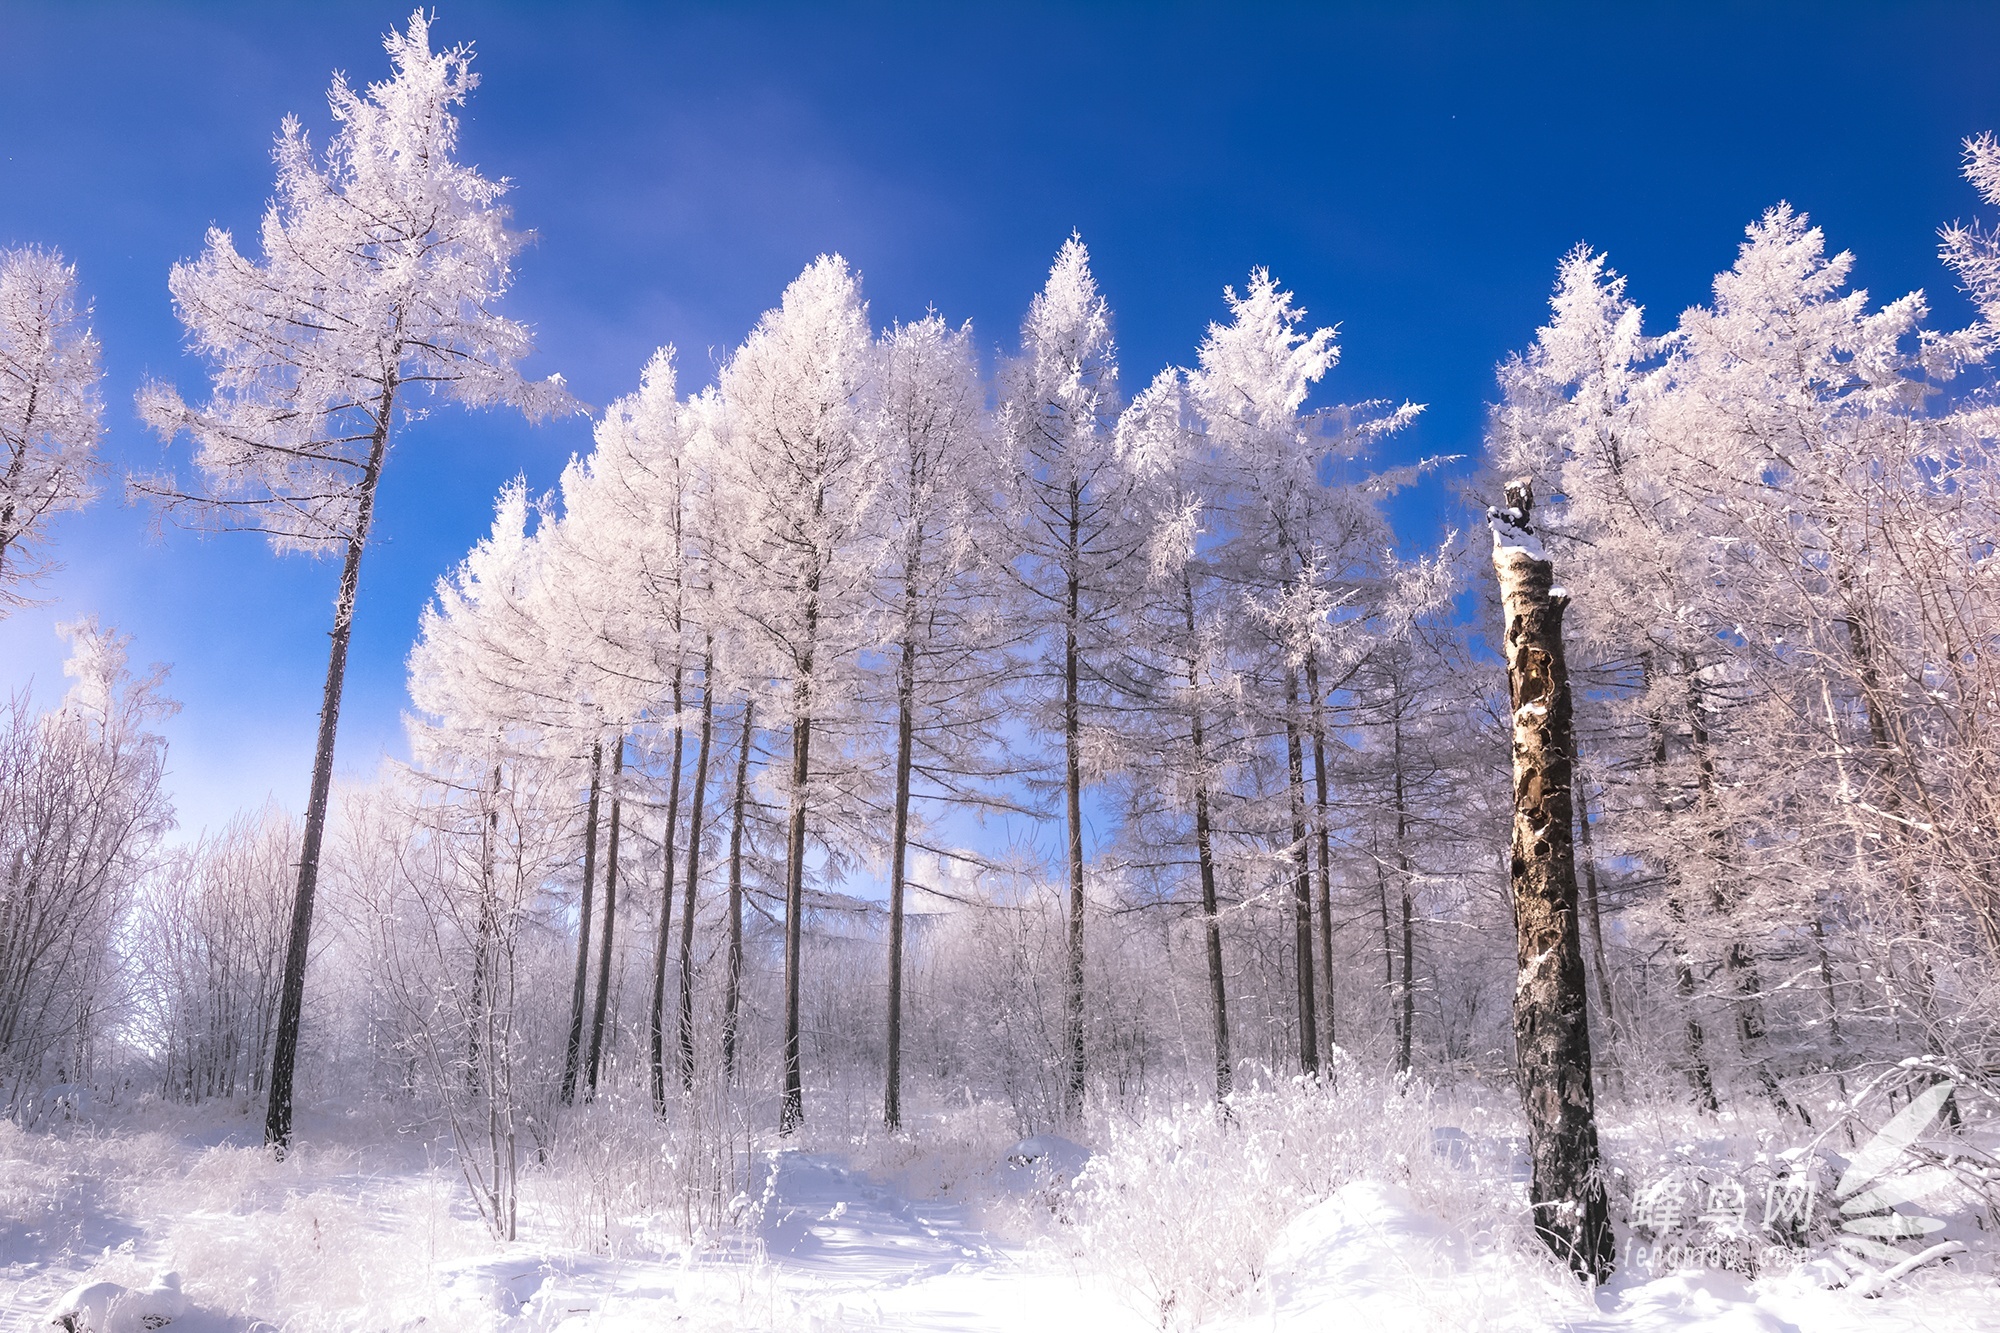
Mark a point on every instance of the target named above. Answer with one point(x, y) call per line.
point(694, 865)
point(1739, 958)
point(1301, 878)
point(1211, 919)
point(899, 838)
point(1406, 873)
point(656, 1013)
point(1881, 737)
point(1382, 899)
point(604, 936)
point(1551, 1013)
point(1073, 798)
point(733, 985)
point(1684, 983)
point(1322, 837)
point(298, 947)
point(573, 1050)
point(792, 1110)
point(489, 824)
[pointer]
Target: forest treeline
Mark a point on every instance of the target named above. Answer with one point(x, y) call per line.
point(891, 720)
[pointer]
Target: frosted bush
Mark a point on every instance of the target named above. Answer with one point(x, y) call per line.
point(618, 1180)
point(1181, 1203)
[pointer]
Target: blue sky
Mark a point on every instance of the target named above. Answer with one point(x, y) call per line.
point(1412, 172)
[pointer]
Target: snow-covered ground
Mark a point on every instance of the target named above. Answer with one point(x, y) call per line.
point(350, 1234)
point(364, 1228)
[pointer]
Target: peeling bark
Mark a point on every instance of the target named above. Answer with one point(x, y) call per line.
point(1551, 1013)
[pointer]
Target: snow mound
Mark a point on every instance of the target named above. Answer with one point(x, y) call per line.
point(1711, 1300)
point(1454, 1145)
point(503, 1286)
point(107, 1307)
point(1366, 1258)
point(1042, 1160)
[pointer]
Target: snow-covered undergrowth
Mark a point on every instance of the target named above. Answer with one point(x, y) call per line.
point(1182, 1205)
point(339, 1235)
point(1359, 1201)
point(611, 1181)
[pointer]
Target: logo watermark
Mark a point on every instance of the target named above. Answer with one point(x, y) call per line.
point(1758, 1221)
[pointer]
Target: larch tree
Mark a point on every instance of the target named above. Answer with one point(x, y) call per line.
point(383, 260)
point(1059, 407)
point(1250, 384)
point(50, 413)
point(1801, 416)
point(627, 526)
point(624, 547)
point(929, 433)
point(495, 679)
point(1305, 551)
point(792, 467)
point(1178, 668)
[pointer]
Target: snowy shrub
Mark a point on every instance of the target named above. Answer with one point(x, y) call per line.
point(1181, 1203)
point(620, 1181)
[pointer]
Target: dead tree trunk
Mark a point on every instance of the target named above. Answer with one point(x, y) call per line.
point(1551, 1012)
point(573, 1050)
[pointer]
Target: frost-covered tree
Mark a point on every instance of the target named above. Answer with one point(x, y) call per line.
point(1803, 419)
point(383, 259)
point(213, 919)
point(933, 454)
point(635, 557)
point(50, 411)
point(1179, 670)
point(82, 807)
point(792, 468)
point(495, 682)
point(1059, 407)
point(1307, 545)
point(481, 674)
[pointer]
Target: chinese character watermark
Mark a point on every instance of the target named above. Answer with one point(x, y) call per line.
point(1709, 1217)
